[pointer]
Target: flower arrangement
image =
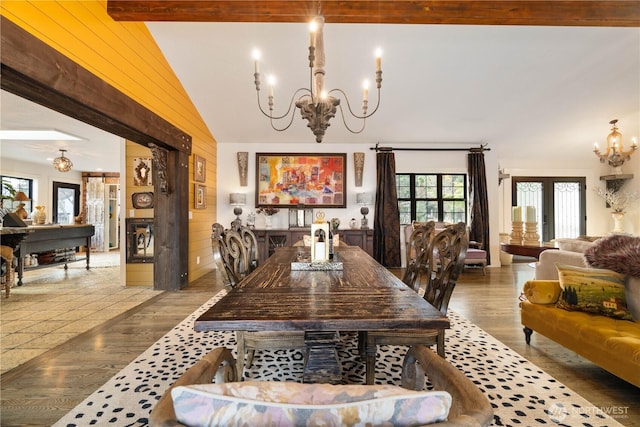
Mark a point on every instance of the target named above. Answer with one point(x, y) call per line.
point(268, 210)
point(619, 201)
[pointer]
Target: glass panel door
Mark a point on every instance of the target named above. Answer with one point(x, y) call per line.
point(560, 204)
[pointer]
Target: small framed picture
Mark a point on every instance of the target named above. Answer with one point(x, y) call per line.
point(142, 200)
point(199, 168)
point(200, 196)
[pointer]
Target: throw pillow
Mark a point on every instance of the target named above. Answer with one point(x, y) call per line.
point(292, 404)
point(599, 291)
point(617, 252)
point(542, 291)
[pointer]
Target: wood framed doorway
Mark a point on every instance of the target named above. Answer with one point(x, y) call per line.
point(33, 70)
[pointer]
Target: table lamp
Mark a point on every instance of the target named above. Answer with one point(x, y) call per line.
point(237, 200)
point(364, 199)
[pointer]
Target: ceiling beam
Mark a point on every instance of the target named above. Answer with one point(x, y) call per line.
point(607, 13)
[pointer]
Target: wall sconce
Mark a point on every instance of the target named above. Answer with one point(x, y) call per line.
point(615, 155)
point(364, 199)
point(237, 200)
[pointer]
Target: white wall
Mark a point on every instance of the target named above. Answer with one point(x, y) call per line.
point(406, 161)
point(229, 180)
point(599, 220)
point(43, 178)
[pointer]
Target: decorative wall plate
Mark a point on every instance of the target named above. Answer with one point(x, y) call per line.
point(143, 200)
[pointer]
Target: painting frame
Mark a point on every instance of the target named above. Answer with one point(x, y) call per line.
point(200, 196)
point(301, 180)
point(199, 168)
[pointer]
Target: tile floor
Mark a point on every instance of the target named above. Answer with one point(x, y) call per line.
point(54, 305)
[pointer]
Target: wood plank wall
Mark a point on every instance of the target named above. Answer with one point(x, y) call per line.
point(125, 55)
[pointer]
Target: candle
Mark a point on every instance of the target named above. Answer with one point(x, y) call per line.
point(378, 60)
point(516, 214)
point(312, 33)
point(365, 90)
point(256, 61)
point(272, 81)
point(531, 214)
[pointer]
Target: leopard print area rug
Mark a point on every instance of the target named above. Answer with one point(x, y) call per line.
point(521, 393)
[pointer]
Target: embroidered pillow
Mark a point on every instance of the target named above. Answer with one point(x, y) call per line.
point(599, 291)
point(271, 403)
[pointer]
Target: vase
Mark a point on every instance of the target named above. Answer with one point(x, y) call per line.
point(39, 216)
point(618, 222)
point(632, 295)
point(268, 222)
point(21, 211)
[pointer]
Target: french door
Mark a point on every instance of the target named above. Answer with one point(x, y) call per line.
point(560, 204)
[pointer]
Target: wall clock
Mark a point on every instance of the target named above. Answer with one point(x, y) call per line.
point(143, 200)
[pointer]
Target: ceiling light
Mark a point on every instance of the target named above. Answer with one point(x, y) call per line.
point(315, 103)
point(37, 135)
point(62, 163)
point(615, 155)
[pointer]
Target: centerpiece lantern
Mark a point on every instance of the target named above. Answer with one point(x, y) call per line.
point(319, 239)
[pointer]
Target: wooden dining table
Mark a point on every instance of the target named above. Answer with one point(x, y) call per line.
point(362, 296)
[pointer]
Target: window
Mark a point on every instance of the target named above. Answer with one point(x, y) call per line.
point(18, 184)
point(437, 197)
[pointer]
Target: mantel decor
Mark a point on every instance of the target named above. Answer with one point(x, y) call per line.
point(289, 180)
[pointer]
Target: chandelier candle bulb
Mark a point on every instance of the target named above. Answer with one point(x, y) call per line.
point(256, 61)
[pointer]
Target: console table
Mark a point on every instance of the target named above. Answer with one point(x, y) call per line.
point(42, 238)
point(270, 239)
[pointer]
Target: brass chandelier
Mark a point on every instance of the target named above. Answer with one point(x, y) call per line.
point(317, 105)
point(615, 155)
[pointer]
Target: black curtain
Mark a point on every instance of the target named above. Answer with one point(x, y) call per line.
point(386, 233)
point(479, 229)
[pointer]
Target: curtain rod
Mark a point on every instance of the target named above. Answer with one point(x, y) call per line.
point(480, 149)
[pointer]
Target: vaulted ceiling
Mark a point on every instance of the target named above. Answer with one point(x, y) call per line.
point(527, 77)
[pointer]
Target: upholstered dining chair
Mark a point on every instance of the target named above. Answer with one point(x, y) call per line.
point(235, 255)
point(445, 257)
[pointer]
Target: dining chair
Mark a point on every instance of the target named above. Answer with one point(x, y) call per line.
point(417, 245)
point(235, 253)
point(445, 257)
point(6, 252)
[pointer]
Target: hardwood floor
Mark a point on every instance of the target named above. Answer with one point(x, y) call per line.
point(43, 389)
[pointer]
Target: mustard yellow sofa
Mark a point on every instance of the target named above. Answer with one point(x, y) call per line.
point(610, 343)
